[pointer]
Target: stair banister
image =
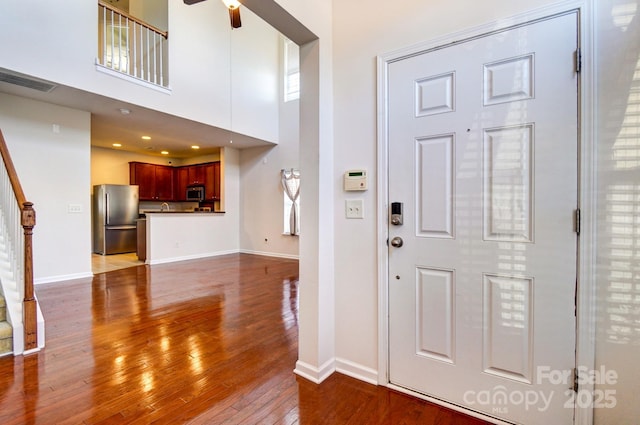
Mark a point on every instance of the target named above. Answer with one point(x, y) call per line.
point(27, 220)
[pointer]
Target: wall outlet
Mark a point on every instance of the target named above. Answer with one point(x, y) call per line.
point(354, 208)
point(74, 208)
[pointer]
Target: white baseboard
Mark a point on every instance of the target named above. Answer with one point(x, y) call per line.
point(60, 278)
point(270, 254)
point(314, 374)
point(357, 371)
point(190, 257)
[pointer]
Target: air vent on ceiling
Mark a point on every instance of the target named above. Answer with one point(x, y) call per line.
point(28, 82)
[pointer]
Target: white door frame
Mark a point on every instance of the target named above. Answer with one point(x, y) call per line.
point(585, 320)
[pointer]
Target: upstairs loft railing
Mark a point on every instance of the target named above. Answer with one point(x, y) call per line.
point(18, 220)
point(130, 46)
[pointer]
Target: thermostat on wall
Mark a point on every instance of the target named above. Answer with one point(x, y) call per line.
point(355, 180)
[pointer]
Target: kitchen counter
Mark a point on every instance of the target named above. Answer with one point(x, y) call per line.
point(185, 235)
point(182, 212)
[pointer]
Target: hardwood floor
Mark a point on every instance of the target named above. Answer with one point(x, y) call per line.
point(210, 341)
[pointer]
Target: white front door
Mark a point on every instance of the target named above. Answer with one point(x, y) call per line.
point(483, 154)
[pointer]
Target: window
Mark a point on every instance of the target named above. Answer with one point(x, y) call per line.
point(291, 70)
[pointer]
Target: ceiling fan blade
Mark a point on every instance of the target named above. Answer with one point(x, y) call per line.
point(234, 15)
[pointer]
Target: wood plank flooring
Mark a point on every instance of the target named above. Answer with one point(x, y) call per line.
point(211, 341)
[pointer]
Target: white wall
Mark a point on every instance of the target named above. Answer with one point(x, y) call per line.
point(357, 43)
point(387, 28)
point(54, 171)
point(151, 11)
point(111, 166)
point(254, 78)
point(230, 190)
point(618, 197)
point(316, 344)
point(60, 44)
point(261, 229)
point(261, 191)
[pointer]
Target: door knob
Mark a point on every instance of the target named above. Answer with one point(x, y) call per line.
point(397, 242)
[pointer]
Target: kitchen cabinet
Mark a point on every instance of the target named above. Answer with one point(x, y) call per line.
point(207, 175)
point(155, 182)
point(144, 175)
point(212, 181)
point(197, 174)
point(165, 183)
point(181, 183)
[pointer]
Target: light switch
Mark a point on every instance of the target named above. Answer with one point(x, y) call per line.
point(354, 208)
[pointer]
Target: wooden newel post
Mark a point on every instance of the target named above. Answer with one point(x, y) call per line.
point(29, 307)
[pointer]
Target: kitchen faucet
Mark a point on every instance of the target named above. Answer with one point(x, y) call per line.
point(164, 204)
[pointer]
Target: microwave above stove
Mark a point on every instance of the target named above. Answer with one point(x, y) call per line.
point(195, 193)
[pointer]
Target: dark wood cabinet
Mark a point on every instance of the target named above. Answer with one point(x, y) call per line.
point(197, 174)
point(207, 175)
point(166, 183)
point(143, 175)
point(212, 181)
point(155, 182)
point(141, 239)
point(181, 183)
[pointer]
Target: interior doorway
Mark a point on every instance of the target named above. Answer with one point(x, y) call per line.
point(108, 263)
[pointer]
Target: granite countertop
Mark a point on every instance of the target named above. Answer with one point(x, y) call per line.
point(181, 212)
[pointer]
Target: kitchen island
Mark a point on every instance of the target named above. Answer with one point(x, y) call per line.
point(178, 236)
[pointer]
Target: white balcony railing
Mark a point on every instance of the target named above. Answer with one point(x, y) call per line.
point(130, 46)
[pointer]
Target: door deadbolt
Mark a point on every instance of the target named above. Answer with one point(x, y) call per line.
point(396, 213)
point(397, 242)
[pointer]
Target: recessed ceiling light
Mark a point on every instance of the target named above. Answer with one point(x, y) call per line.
point(124, 111)
point(165, 152)
point(195, 147)
point(117, 145)
point(146, 137)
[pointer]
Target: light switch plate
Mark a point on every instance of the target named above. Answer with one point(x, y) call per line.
point(354, 208)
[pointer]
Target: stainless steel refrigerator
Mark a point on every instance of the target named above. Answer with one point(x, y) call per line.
point(115, 211)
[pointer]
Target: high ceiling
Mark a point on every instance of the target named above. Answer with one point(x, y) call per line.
point(109, 125)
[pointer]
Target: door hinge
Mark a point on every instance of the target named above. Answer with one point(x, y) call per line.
point(575, 379)
point(577, 221)
point(578, 60)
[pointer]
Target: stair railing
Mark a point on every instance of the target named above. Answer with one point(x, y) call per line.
point(19, 219)
point(131, 46)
